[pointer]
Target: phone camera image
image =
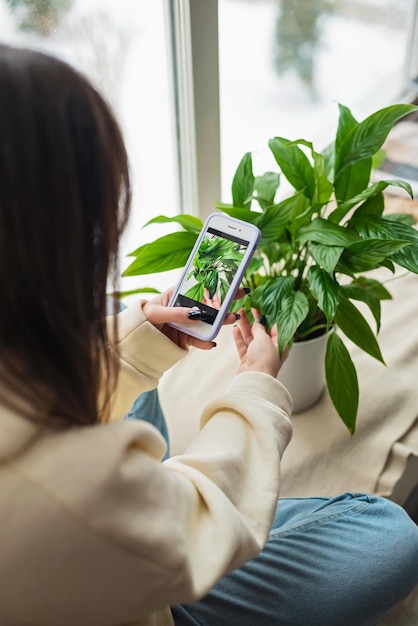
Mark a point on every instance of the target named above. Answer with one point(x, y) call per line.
point(213, 269)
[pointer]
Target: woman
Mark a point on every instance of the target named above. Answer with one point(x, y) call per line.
point(95, 529)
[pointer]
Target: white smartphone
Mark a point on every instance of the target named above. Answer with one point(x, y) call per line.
point(214, 272)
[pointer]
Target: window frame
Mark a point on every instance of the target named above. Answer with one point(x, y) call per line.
point(192, 31)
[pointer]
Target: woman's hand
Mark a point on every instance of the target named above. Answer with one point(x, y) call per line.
point(159, 314)
point(257, 349)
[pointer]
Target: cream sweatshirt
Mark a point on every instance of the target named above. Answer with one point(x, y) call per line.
point(96, 531)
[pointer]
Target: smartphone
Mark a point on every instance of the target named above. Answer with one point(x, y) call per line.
point(214, 272)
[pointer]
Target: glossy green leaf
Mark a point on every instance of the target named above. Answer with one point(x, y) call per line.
point(166, 253)
point(372, 206)
point(341, 211)
point(243, 183)
point(352, 323)
point(325, 291)
point(325, 232)
point(132, 292)
point(342, 381)
point(359, 144)
point(326, 257)
point(369, 291)
point(329, 160)
point(364, 256)
point(294, 164)
point(352, 180)
point(241, 214)
point(366, 138)
point(376, 227)
point(294, 309)
point(403, 218)
point(346, 123)
point(278, 217)
point(266, 187)
point(407, 258)
point(267, 297)
point(188, 222)
point(355, 178)
point(323, 186)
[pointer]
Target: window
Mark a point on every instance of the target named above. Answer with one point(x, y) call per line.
point(285, 64)
point(121, 47)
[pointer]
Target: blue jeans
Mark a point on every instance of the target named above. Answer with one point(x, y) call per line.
point(147, 407)
point(341, 561)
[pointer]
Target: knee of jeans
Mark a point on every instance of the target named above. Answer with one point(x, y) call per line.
point(401, 538)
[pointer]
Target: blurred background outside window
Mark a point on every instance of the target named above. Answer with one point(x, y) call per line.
point(286, 64)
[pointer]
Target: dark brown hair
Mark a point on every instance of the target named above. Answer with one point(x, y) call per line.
point(64, 201)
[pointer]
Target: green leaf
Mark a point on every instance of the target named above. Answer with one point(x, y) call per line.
point(329, 160)
point(294, 309)
point(374, 190)
point(294, 164)
point(369, 291)
point(277, 218)
point(376, 227)
point(323, 186)
point(363, 140)
point(189, 222)
point(403, 218)
point(364, 256)
point(267, 297)
point(355, 178)
point(325, 232)
point(407, 258)
point(241, 214)
point(266, 187)
point(326, 257)
point(372, 206)
point(352, 180)
point(389, 265)
point(325, 290)
point(243, 183)
point(196, 292)
point(352, 323)
point(358, 143)
point(132, 292)
point(342, 381)
point(166, 253)
point(346, 123)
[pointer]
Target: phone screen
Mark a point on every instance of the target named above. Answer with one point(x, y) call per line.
point(211, 272)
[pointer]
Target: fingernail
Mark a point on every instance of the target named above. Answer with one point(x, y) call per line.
point(247, 290)
point(195, 314)
point(214, 344)
point(261, 320)
point(237, 316)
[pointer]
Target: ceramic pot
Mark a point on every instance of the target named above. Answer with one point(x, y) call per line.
point(303, 372)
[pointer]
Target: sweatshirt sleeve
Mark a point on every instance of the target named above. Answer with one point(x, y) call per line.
point(145, 354)
point(153, 533)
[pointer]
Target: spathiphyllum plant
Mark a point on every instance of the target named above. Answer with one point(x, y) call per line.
point(318, 244)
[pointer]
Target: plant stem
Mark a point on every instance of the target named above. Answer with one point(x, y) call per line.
point(312, 330)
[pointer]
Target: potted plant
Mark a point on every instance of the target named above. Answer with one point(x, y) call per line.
point(318, 244)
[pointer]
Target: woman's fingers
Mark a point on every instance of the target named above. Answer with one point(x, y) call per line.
point(240, 344)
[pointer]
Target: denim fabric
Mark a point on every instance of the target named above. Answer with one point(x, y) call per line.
point(147, 407)
point(340, 561)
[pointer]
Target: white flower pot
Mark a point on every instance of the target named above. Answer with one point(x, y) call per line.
point(303, 372)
